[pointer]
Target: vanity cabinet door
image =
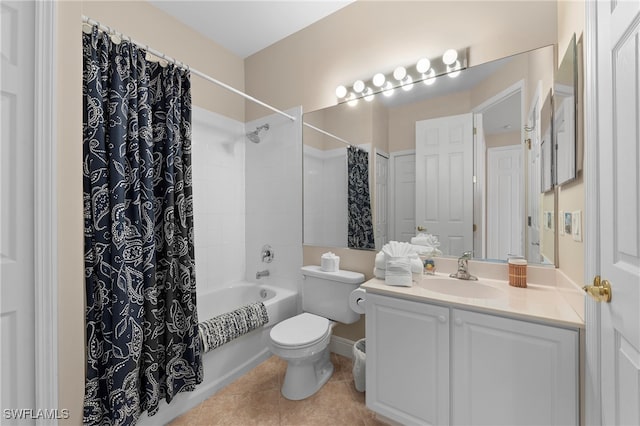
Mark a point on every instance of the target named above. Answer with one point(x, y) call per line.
point(407, 370)
point(511, 372)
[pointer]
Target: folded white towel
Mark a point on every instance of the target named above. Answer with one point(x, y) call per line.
point(427, 240)
point(427, 251)
point(381, 260)
point(398, 271)
point(397, 249)
point(379, 273)
point(416, 269)
point(399, 281)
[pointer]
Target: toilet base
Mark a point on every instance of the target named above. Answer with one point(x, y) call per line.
point(304, 378)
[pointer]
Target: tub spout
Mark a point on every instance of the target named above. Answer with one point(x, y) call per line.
point(261, 274)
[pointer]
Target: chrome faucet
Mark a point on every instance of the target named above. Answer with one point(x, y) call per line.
point(463, 273)
point(261, 274)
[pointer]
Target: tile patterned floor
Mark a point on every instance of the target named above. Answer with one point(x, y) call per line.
point(255, 399)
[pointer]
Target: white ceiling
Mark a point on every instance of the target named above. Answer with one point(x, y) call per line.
point(246, 27)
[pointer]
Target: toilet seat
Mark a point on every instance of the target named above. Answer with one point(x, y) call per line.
point(300, 331)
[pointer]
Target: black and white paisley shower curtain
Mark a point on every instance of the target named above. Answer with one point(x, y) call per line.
point(141, 320)
point(360, 227)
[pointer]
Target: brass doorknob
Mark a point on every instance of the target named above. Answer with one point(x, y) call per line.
point(600, 290)
point(421, 229)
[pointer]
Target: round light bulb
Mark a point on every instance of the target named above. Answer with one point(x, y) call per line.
point(399, 73)
point(353, 100)
point(449, 57)
point(368, 94)
point(358, 86)
point(341, 92)
point(378, 79)
point(423, 65)
point(388, 89)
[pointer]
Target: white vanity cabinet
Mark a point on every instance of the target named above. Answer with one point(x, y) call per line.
point(430, 364)
point(512, 372)
point(407, 370)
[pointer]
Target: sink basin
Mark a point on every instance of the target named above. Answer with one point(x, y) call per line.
point(461, 288)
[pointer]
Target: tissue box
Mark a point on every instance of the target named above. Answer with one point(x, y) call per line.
point(329, 262)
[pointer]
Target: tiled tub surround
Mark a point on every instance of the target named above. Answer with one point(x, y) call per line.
point(245, 196)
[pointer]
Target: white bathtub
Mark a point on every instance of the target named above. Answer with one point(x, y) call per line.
point(225, 364)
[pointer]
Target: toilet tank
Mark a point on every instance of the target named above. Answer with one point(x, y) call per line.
point(327, 293)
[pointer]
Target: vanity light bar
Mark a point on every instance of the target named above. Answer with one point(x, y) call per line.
point(425, 70)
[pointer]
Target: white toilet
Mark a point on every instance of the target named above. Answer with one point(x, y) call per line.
point(303, 340)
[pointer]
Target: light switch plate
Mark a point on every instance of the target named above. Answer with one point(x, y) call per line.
point(576, 225)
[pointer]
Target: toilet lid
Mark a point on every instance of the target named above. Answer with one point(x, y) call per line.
point(300, 330)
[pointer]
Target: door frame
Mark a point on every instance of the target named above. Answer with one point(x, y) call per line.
point(46, 213)
point(592, 368)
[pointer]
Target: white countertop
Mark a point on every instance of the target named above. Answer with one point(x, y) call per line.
point(537, 302)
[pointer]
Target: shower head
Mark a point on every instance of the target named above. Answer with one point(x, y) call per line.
point(255, 135)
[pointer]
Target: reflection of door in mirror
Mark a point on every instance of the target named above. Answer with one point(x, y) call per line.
point(444, 181)
point(402, 185)
point(505, 204)
point(381, 198)
point(533, 192)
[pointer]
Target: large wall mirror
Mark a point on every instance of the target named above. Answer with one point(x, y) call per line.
point(459, 158)
point(565, 112)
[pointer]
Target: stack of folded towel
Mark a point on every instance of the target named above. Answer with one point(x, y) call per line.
point(398, 264)
point(426, 244)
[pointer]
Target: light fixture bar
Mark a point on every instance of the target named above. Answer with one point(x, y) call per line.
point(425, 70)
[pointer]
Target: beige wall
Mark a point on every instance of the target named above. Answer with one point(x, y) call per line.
point(368, 36)
point(149, 25)
point(571, 19)
point(71, 342)
point(402, 119)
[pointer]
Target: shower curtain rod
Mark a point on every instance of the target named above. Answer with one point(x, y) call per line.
point(109, 30)
point(330, 135)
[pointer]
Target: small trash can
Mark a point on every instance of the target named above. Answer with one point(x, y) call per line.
point(359, 361)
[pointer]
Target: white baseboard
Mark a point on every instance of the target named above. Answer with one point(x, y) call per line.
point(341, 346)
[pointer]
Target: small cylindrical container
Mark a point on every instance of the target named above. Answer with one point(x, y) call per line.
point(518, 272)
point(429, 265)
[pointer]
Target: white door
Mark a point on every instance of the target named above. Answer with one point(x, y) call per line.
point(17, 362)
point(444, 181)
point(618, 91)
point(402, 196)
point(505, 215)
point(479, 194)
point(533, 194)
point(381, 201)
